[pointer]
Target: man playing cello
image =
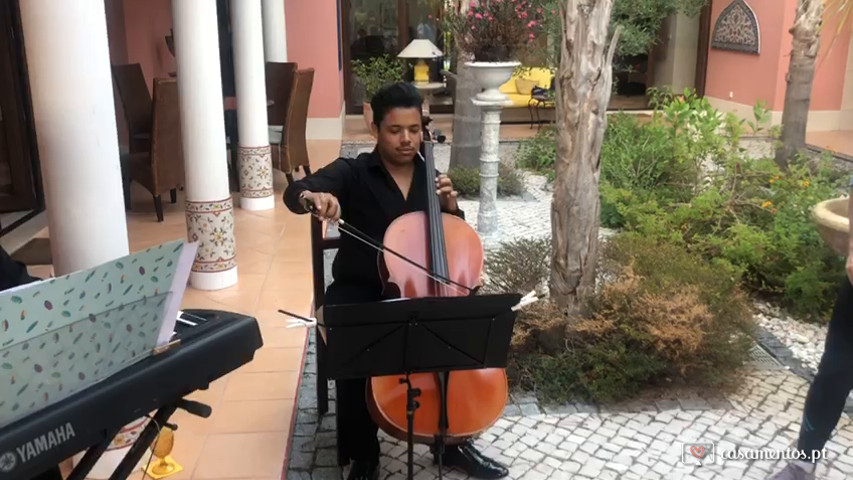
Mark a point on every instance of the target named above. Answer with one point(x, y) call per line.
point(369, 192)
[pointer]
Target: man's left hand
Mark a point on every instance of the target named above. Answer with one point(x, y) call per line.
point(446, 193)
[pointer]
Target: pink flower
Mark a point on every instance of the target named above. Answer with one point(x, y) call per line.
point(478, 16)
point(532, 36)
point(553, 12)
point(429, 16)
point(539, 10)
point(473, 27)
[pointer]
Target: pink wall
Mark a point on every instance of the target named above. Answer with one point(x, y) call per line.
point(753, 77)
point(312, 42)
point(750, 77)
point(147, 23)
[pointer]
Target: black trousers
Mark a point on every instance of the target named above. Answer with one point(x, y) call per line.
point(358, 430)
point(834, 379)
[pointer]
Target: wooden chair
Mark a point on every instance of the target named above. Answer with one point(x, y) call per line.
point(292, 151)
point(162, 167)
point(280, 77)
point(321, 241)
point(136, 102)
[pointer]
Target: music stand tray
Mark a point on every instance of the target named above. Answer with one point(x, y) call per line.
point(419, 335)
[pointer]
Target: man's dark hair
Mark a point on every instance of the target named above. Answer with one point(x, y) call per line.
point(395, 95)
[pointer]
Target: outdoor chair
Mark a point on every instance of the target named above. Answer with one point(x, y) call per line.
point(292, 150)
point(321, 241)
point(162, 167)
point(136, 103)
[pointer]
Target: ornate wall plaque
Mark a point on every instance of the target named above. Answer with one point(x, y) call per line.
point(737, 29)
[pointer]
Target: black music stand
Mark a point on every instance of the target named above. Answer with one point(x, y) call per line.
point(420, 335)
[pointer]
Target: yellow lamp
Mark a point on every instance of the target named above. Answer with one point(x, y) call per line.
point(421, 48)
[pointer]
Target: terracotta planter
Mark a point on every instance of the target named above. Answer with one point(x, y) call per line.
point(368, 117)
point(832, 220)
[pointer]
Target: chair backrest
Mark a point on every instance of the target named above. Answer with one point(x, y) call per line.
point(167, 150)
point(135, 98)
point(293, 136)
point(280, 77)
point(321, 241)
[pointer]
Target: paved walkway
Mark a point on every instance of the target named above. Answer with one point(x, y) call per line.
point(632, 441)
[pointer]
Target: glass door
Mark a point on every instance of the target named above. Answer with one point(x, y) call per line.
point(423, 21)
point(371, 28)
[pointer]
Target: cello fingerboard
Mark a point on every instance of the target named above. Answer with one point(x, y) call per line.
point(438, 254)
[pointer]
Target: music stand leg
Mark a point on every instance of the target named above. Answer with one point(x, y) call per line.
point(411, 406)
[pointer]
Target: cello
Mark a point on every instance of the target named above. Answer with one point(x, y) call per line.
point(452, 406)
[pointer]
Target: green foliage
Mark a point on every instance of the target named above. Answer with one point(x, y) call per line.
point(466, 181)
point(519, 266)
point(641, 20)
point(736, 209)
point(377, 72)
point(539, 153)
point(664, 315)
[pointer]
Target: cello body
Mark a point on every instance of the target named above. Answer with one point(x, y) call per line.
point(475, 399)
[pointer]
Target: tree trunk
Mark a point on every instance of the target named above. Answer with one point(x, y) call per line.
point(467, 125)
point(584, 80)
point(801, 69)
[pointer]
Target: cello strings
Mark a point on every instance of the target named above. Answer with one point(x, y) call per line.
point(345, 227)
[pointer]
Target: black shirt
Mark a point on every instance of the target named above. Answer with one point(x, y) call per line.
point(370, 200)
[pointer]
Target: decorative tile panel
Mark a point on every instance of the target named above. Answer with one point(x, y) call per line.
point(737, 29)
point(256, 172)
point(211, 224)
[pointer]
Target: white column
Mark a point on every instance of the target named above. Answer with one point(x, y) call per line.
point(76, 129)
point(275, 31)
point(78, 148)
point(256, 180)
point(209, 208)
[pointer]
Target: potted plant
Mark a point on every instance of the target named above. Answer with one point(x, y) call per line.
point(374, 73)
point(494, 32)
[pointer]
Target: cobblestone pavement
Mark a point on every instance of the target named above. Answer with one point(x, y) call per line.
point(630, 441)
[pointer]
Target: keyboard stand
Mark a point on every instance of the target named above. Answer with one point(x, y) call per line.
point(145, 439)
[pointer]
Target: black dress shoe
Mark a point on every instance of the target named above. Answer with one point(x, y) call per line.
point(364, 471)
point(466, 458)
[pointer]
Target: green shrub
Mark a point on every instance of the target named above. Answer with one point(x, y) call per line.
point(741, 210)
point(539, 153)
point(466, 181)
point(758, 219)
point(665, 315)
point(519, 266)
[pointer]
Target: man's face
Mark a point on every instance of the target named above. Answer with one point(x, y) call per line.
point(399, 136)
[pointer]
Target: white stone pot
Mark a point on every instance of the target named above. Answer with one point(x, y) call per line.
point(490, 76)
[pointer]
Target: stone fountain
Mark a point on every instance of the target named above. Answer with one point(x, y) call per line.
point(833, 223)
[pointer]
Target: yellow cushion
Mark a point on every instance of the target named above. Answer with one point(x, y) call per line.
point(524, 85)
point(542, 77)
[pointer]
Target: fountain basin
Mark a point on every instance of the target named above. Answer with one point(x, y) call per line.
point(832, 220)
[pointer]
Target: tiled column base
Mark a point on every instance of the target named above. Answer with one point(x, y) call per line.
point(256, 186)
point(211, 224)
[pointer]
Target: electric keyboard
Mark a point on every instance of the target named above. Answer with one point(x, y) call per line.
point(212, 344)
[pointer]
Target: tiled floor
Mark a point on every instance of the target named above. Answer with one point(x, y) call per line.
point(246, 436)
point(839, 141)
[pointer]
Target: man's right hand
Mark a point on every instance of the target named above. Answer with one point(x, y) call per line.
point(326, 206)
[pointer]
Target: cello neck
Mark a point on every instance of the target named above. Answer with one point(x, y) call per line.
point(438, 254)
